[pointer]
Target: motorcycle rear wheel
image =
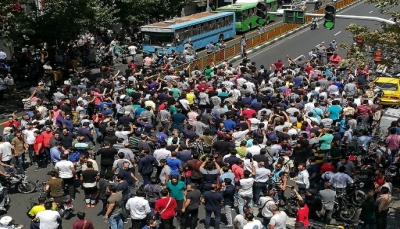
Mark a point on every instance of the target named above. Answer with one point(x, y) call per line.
point(358, 198)
point(28, 187)
point(347, 213)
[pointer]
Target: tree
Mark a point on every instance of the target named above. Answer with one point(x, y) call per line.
point(385, 38)
point(138, 12)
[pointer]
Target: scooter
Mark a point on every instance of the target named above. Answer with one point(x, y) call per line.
point(313, 25)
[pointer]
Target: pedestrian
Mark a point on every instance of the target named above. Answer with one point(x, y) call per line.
point(190, 208)
point(145, 166)
point(383, 201)
point(6, 154)
point(278, 220)
point(115, 204)
point(228, 192)
point(251, 222)
point(368, 213)
point(153, 193)
point(165, 210)
point(89, 179)
point(103, 184)
point(38, 148)
point(48, 218)
point(107, 154)
point(212, 201)
point(66, 171)
point(139, 209)
point(243, 44)
point(82, 223)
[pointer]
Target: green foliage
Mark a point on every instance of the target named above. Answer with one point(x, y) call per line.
point(385, 38)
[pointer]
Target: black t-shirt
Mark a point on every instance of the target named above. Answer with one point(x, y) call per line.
point(89, 176)
point(107, 155)
point(124, 187)
point(232, 159)
point(125, 120)
point(111, 139)
point(194, 197)
point(213, 201)
point(221, 147)
point(262, 157)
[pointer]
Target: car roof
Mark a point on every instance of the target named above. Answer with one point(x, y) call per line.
point(386, 79)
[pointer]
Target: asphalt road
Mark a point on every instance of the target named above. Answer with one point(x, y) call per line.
point(302, 42)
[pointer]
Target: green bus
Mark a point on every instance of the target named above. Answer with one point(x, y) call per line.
point(246, 18)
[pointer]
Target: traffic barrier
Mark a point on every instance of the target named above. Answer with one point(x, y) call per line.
point(258, 40)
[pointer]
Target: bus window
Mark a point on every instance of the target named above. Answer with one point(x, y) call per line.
point(157, 38)
point(239, 16)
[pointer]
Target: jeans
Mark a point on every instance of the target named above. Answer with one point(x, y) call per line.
point(47, 157)
point(146, 178)
point(134, 57)
point(392, 157)
point(19, 161)
point(138, 223)
point(190, 218)
point(228, 215)
point(327, 217)
point(35, 225)
point(257, 188)
point(115, 221)
point(6, 169)
point(39, 160)
point(217, 215)
point(248, 200)
point(31, 153)
point(90, 195)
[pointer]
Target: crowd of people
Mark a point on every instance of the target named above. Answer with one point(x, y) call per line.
point(227, 138)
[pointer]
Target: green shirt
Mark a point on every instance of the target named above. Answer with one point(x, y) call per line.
point(325, 141)
point(173, 109)
point(177, 191)
point(176, 92)
point(129, 91)
point(207, 72)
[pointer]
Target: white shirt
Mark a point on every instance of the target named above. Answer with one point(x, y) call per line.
point(30, 137)
point(64, 168)
point(255, 224)
point(265, 202)
point(246, 187)
point(161, 154)
point(48, 219)
point(279, 220)
point(6, 151)
point(138, 206)
point(122, 134)
point(302, 179)
point(254, 150)
point(254, 122)
point(132, 49)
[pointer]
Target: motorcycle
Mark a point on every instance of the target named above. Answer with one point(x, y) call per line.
point(354, 195)
point(64, 206)
point(313, 25)
point(20, 182)
point(343, 209)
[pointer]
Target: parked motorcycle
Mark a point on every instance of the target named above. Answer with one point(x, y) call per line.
point(64, 206)
point(353, 193)
point(313, 25)
point(20, 181)
point(343, 209)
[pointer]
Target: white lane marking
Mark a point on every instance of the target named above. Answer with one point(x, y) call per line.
point(337, 33)
point(371, 11)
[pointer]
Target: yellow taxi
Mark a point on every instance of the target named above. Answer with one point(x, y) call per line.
point(391, 90)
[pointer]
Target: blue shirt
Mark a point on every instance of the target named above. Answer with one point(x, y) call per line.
point(334, 112)
point(55, 154)
point(178, 119)
point(229, 124)
point(227, 175)
point(174, 164)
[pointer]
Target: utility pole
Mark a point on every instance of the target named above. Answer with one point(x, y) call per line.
point(208, 8)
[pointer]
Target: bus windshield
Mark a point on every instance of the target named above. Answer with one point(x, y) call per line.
point(238, 16)
point(157, 38)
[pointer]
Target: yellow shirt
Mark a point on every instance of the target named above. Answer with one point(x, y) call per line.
point(39, 208)
point(190, 97)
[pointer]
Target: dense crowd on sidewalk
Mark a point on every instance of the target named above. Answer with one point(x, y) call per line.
point(226, 138)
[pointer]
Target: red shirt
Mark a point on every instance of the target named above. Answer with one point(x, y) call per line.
point(46, 138)
point(38, 140)
point(326, 167)
point(364, 111)
point(380, 181)
point(14, 123)
point(302, 216)
point(202, 87)
point(309, 69)
point(83, 224)
point(237, 171)
point(166, 210)
point(278, 65)
point(249, 113)
point(100, 118)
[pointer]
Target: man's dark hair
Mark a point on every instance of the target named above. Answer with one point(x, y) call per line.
point(48, 205)
point(81, 215)
point(164, 192)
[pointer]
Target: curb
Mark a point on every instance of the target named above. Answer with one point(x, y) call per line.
point(266, 44)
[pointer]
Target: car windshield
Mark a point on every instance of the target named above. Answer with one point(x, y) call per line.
point(387, 86)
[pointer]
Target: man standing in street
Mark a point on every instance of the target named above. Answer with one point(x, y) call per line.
point(212, 201)
point(165, 208)
point(383, 201)
point(113, 213)
point(132, 50)
point(139, 209)
point(19, 151)
point(146, 166)
point(190, 209)
point(66, 171)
